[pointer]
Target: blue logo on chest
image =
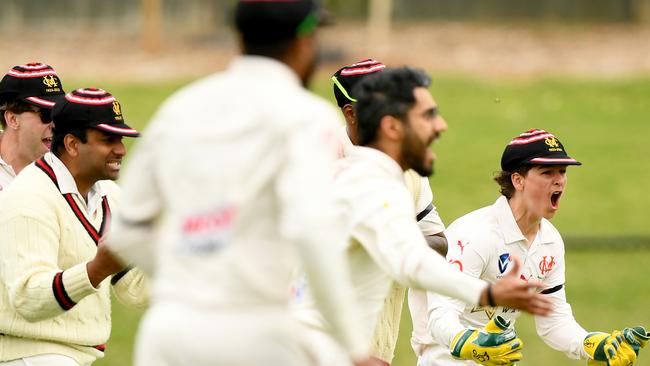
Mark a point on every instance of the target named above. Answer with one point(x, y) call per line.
point(504, 259)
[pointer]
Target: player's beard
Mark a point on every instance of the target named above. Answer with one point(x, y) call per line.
point(414, 153)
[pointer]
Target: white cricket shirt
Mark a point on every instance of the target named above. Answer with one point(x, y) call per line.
point(481, 245)
point(230, 184)
point(386, 243)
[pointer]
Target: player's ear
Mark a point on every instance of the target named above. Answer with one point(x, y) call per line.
point(349, 114)
point(517, 181)
point(12, 120)
point(71, 144)
point(391, 127)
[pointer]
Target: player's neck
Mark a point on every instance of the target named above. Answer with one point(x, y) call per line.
point(10, 153)
point(528, 223)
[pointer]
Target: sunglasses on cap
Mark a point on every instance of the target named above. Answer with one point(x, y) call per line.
point(44, 114)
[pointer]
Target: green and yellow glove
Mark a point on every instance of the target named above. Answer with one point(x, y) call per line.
point(615, 349)
point(497, 344)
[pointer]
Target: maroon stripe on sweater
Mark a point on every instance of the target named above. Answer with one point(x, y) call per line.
point(60, 294)
point(82, 218)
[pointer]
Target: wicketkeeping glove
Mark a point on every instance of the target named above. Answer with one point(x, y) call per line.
point(615, 349)
point(497, 344)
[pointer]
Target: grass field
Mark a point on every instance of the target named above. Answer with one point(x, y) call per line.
point(602, 123)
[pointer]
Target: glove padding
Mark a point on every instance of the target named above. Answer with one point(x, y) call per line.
point(615, 349)
point(495, 345)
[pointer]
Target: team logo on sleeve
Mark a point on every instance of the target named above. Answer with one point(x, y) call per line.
point(546, 265)
point(504, 259)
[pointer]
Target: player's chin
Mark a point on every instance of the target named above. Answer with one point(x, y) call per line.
point(550, 213)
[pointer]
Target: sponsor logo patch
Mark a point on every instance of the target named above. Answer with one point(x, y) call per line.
point(207, 232)
point(504, 259)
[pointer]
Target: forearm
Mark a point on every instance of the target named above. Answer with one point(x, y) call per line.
point(561, 332)
point(437, 242)
point(37, 288)
point(45, 294)
point(443, 315)
point(433, 273)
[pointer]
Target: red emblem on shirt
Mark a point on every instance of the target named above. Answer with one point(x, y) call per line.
point(545, 266)
point(458, 263)
point(462, 247)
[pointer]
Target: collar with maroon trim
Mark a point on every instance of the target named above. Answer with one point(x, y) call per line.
point(95, 234)
point(68, 185)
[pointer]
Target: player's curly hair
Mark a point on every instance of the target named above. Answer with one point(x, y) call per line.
point(504, 179)
point(386, 93)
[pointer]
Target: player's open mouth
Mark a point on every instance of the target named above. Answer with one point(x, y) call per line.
point(114, 164)
point(47, 142)
point(555, 199)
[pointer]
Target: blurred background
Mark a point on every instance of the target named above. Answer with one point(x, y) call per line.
point(577, 68)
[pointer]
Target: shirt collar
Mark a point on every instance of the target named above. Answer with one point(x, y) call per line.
point(266, 66)
point(385, 162)
point(6, 167)
point(508, 226)
point(67, 185)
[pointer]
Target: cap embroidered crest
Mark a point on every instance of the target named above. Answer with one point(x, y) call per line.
point(92, 108)
point(35, 83)
point(536, 147)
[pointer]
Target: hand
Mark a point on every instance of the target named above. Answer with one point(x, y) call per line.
point(497, 344)
point(510, 291)
point(637, 337)
point(609, 349)
point(103, 265)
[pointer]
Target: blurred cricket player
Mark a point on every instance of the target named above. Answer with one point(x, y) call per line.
point(229, 190)
point(396, 124)
point(55, 273)
point(27, 95)
point(484, 244)
point(429, 221)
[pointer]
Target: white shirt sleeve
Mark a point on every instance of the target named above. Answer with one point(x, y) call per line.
point(392, 238)
point(429, 219)
point(132, 235)
point(559, 329)
point(308, 217)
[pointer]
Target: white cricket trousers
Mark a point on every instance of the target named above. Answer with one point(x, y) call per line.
point(179, 335)
point(42, 360)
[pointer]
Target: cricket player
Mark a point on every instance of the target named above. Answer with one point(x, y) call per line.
point(429, 221)
point(395, 114)
point(486, 241)
point(55, 273)
point(227, 192)
point(27, 95)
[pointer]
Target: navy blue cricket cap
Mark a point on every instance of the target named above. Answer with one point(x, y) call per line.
point(535, 147)
point(34, 83)
point(92, 108)
point(261, 21)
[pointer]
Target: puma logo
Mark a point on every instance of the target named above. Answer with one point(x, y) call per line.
point(462, 247)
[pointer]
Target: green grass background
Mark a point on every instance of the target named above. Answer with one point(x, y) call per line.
point(603, 215)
